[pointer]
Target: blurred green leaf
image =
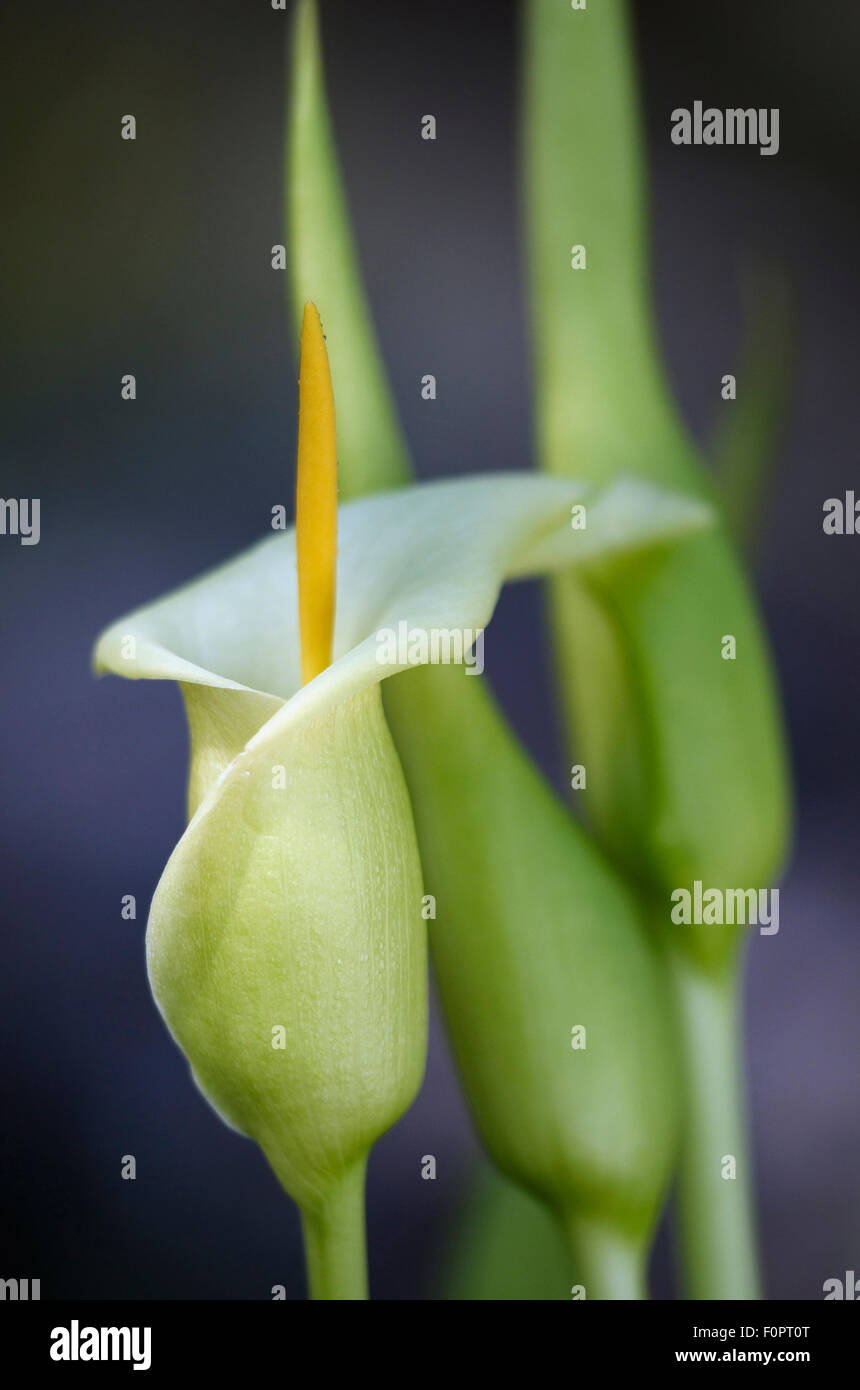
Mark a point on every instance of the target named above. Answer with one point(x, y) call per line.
point(750, 428)
point(506, 1246)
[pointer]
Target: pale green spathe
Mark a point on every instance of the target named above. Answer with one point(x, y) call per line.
point(297, 907)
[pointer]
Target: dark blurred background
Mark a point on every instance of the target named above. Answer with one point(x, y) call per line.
point(153, 258)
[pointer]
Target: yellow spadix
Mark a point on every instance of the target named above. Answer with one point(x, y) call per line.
point(316, 500)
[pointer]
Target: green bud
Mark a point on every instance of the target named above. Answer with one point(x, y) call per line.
point(664, 671)
point(683, 744)
point(553, 997)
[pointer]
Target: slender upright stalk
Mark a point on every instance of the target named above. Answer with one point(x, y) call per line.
point(607, 1266)
point(714, 1195)
point(335, 1241)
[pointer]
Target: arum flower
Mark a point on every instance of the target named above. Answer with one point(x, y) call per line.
point(285, 943)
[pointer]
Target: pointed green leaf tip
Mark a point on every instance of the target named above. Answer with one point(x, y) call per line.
point(372, 452)
point(285, 943)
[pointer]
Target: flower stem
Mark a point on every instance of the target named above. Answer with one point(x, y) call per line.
point(607, 1265)
point(716, 1212)
point(335, 1241)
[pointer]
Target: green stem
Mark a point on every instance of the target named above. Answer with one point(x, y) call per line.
point(608, 1266)
point(716, 1212)
point(335, 1241)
